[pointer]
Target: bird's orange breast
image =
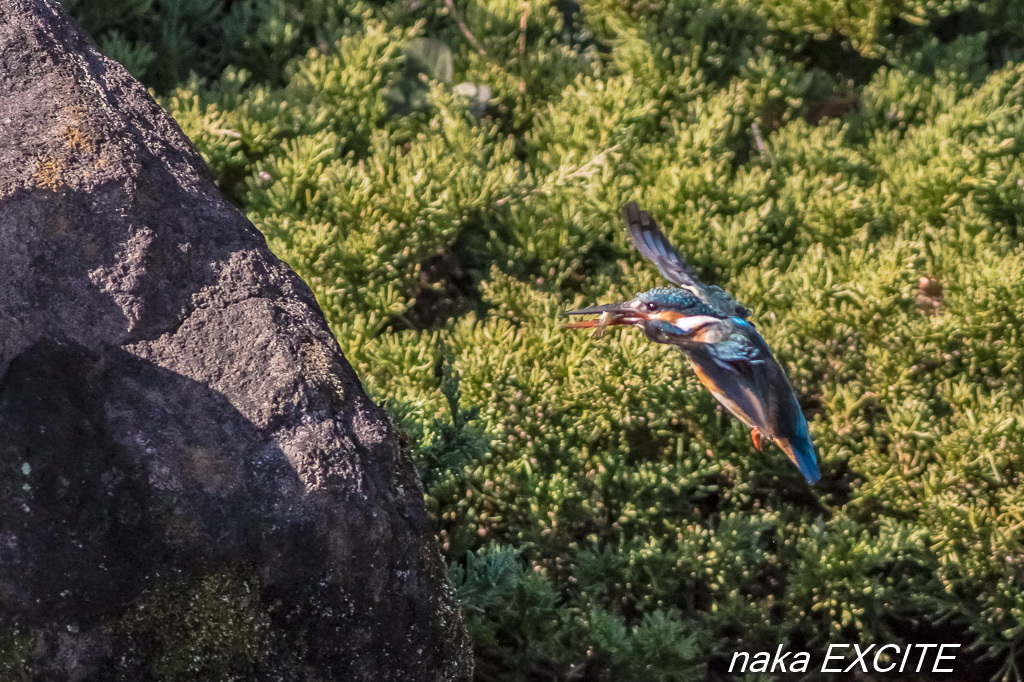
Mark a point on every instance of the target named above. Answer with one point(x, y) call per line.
point(702, 375)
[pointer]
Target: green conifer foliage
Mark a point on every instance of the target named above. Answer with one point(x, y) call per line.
point(457, 178)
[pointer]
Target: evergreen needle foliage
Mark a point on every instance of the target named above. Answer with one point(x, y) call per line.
point(454, 443)
point(458, 177)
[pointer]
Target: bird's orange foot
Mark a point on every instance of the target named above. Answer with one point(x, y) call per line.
point(756, 436)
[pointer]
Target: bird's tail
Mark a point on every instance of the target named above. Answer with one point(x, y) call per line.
point(801, 452)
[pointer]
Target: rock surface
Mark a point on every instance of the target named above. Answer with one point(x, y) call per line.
point(193, 484)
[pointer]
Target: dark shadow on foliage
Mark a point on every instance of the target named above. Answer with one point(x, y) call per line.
point(454, 443)
point(449, 281)
point(163, 42)
point(835, 55)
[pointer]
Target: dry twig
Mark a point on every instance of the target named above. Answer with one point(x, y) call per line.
point(586, 170)
point(465, 29)
point(525, 7)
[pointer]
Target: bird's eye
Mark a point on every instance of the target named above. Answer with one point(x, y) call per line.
point(652, 306)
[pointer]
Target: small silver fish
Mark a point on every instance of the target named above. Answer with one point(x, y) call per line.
point(602, 323)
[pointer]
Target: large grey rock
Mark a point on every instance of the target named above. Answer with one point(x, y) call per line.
point(193, 484)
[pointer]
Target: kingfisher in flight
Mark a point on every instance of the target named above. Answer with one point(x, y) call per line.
point(724, 349)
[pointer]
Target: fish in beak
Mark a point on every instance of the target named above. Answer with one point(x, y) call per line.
point(608, 315)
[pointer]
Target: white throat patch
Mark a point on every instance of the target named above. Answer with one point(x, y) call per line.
point(691, 324)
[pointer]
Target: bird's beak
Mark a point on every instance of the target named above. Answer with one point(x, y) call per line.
point(608, 315)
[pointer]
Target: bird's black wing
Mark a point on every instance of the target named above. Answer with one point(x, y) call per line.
point(652, 244)
point(649, 240)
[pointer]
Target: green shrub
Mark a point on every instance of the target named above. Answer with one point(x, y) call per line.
point(602, 517)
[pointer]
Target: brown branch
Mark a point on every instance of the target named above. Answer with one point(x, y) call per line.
point(561, 178)
point(525, 7)
point(465, 29)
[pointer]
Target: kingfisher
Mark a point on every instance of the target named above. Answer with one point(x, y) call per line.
point(723, 347)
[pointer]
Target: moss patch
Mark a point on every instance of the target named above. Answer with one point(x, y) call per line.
point(15, 654)
point(214, 626)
